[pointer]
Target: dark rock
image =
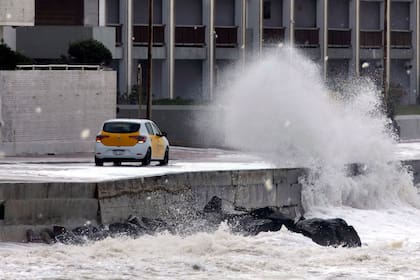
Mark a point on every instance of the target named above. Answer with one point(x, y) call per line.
point(156, 225)
point(214, 205)
point(275, 214)
point(356, 169)
point(47, 236)
point(85, 231)
point(249, 225)
point(62, 235)
point(329, 232)
point(90, 232)
point(129, 229)
point(30, 235)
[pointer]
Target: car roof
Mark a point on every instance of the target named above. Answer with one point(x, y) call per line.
point(128, 120)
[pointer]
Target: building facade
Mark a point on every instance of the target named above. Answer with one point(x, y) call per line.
point(195, 40)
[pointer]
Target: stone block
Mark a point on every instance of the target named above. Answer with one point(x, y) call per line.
point(247, 177)
point(47, 211)
point(255, 196)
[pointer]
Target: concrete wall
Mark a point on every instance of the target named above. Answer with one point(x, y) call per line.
point(370, 15)
point(17, 12)
point(174, 196)
point(305, 13)
point(54, 111)
point(338, 14)
point(177, 195)
point(141, 11)
point(409, 127)
point(400, 15)
point(276, 14)
point(112, 11)
point(188, 12)
point(91, 9)
point(224, 13)
point(188, 80)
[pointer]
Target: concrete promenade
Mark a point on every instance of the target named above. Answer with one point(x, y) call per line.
point(39, 192)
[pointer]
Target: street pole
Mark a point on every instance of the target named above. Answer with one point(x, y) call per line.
point(149, 61)
point(385, 78)
point(129, 45)
point(139, 86)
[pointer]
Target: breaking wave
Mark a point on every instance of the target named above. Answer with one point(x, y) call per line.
point(280, 108)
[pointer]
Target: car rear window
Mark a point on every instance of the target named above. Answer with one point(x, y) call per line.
point(121, 127)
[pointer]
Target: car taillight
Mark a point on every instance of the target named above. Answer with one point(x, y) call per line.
point(100, 137)
point(140, 139)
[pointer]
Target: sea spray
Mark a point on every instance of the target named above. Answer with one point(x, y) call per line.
point(280, 108)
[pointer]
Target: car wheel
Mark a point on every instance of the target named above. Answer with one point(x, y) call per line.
point(99, 162)
point(165, 159)
point(148, 158)
point(117, 163)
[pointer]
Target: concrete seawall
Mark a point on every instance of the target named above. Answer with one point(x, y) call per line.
point(38, 205)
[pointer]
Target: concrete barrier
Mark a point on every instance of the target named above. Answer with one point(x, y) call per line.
point(179, 121)
point(409, 127)
point(172, 196)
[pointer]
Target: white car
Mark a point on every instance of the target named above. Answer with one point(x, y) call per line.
point(123, 140)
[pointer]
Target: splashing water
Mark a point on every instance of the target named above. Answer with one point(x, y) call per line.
point(281, 109)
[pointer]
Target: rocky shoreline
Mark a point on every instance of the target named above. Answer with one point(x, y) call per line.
point(325, 232)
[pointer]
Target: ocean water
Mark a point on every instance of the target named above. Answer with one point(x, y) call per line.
point(277, 108)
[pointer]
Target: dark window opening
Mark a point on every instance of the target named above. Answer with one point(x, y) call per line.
point(63, 12)
point(267, 9)
point(121, 127)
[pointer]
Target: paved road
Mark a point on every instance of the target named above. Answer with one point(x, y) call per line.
point(80, 167)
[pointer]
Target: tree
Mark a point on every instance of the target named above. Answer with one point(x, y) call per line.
point(89, 52)
point(9, 58)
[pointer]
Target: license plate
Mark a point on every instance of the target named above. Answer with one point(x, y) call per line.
point(118, 152)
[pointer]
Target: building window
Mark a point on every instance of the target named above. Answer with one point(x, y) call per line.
point(63, 12)
point(267, 9)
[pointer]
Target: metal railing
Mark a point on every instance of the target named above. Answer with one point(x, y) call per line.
point(273, 35)
point(371, 38)
point(339, 37)
point(59, 67)
point(307, 37)
point(401, 38)
point(141, 35)
point(227, 36)
point(190, 35)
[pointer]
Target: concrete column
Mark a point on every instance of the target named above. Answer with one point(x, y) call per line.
point(292, 23)
point(255, 23)
point(324, 37)
point(287, 19)
point(102, 12)
point(415, 62)
point(388, 39)
point(208, 65)
point(240, 21)
point(320, 23)
point(126, 16)
point(355, 37)
point(168, 18)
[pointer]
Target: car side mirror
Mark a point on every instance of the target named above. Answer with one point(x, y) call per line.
point(163, 134)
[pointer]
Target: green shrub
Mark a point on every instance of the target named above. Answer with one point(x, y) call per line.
point(9, 58)
point(89, 52)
